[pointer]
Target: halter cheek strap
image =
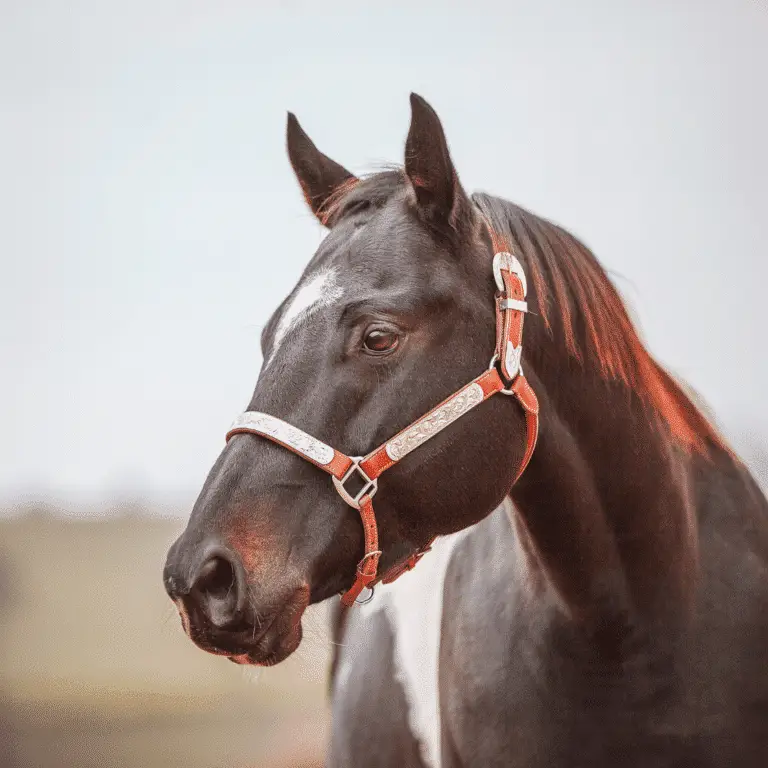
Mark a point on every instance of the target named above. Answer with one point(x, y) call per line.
point(505, 367)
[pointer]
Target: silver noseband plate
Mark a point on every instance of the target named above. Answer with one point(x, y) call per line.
point(293, 437)
point(445, 414)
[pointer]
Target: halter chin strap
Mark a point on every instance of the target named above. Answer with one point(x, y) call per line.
point(505, 367)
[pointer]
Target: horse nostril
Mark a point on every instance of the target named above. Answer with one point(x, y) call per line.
point(218, 587)
point(216, 577)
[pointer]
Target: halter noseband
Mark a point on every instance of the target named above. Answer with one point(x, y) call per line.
point(505, 365)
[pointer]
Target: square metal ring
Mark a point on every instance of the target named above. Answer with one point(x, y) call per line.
point(369, 486)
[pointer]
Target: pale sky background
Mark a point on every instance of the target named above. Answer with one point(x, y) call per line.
point(149, 221)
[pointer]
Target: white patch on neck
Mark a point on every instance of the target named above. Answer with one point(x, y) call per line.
point(318, 290)
point(414, 607)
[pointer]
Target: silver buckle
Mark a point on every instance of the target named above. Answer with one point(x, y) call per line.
point(369, 486)
point(505, 260)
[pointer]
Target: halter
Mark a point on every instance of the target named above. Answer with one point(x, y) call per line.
point(505, 366)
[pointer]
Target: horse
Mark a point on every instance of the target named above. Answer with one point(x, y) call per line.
point(602, 596)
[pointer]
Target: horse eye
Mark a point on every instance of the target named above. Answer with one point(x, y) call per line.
point(379, 341)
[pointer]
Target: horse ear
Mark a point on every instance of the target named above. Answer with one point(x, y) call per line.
point(318, 175)
point(429, 168)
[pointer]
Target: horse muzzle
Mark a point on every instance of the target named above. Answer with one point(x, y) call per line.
point(219, 614)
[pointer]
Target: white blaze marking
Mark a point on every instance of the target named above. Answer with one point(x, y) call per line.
point(318, 290)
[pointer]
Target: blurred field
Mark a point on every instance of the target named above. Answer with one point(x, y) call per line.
point(96, 670)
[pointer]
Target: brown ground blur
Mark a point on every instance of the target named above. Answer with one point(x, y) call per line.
point(96, 671)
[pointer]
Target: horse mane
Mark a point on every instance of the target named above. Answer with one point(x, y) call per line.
point(576, 301)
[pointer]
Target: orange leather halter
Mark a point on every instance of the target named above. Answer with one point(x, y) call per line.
point(505, 366)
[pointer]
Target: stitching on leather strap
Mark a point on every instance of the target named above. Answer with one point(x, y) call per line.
point(368, 566)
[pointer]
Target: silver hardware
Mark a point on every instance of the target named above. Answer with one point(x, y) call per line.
point(492, 364)
point(369, 486)
point(505, 260)
point(512, 359)
point(520, 306)
point(359, 567)
point(367, 600)
point(421, 431)
point(287, 434)
point(511, 392)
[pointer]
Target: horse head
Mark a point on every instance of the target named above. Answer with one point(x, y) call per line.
point(393, 313)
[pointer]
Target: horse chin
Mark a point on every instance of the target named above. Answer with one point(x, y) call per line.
point(263, 642)
point(277, 637)
point(279, 649)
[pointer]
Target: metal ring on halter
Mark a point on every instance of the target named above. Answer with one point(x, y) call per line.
point(359, 566)
point(369, 486)
point(508, 392)
point(511, 392)
point(367, 599)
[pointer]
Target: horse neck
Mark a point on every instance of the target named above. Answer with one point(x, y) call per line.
point(604, 510)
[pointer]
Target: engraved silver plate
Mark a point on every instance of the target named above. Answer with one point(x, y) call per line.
point(512, 359)
point(504, 260)
point(435, 422)
point(271, 426)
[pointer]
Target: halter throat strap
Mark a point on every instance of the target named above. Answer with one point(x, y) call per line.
point(504, 376)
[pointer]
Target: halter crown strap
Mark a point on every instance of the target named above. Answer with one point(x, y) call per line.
point(505, 366)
